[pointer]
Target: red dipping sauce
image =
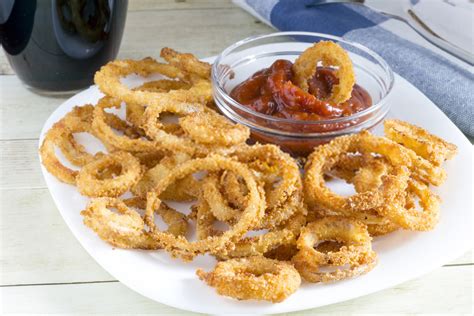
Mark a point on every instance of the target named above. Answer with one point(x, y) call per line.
point(272, 91)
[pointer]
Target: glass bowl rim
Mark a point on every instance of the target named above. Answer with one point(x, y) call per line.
point(241, 107)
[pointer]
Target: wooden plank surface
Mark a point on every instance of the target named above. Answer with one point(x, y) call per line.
point(39, 247)
point(45, 270)
point(19, 165)
point(445, 291)
point(23, 113)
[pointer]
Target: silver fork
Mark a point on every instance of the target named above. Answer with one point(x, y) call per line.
point(416, 24)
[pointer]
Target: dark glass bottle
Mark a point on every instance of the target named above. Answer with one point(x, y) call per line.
point(58, 45)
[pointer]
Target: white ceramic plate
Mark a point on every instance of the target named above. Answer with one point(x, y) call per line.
point(403, 255)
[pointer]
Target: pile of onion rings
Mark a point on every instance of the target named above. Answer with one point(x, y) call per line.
point(389, 175)
point(268, 222)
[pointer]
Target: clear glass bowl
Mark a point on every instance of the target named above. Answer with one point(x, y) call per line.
point(242, 59)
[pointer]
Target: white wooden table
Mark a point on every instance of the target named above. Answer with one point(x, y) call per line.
point(45, 270)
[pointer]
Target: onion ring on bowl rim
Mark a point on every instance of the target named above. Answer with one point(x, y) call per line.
point(179, 246)
point(255, 277)
point(89, 184)
point(329, 54)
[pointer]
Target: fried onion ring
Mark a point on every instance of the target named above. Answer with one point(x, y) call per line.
point(365, 172)
point(106, 132)
point(176, 221)
point(186, 62)
point(179, 246)
point(255, 277)
point(211, 128)
point(89, 184)
point(329, 54)
point(108, 81)
point(214, 198)
point(245, 247)
point(77, 121)
point(134, 111)
point(61, 135)
point(235, 190)
point(278, 173)
point(125, 229)
point(356, 250)
point(154, 128)
point(403, 213)
point(163, 85)
point(275, 171)
point(407, 215)
point(318, 195)
point(420, 168)
point(259, 245)
point(424, 144)
point(49, 159)
point(183, 190)
point(284, 234)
